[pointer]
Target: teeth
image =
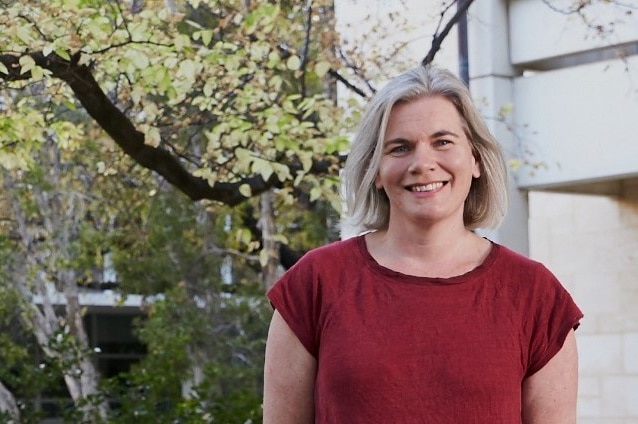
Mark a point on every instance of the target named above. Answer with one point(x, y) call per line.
point(428, 187)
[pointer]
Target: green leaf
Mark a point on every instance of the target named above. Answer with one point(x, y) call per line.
point(207, 36)
point(505, 110)
point(26, 64)
point(193, 23)
point(321, 69)
point(273, 59)
point(263, 168)
point(293, 63)
point(46, 50)
point(37, 73)
point(245, 190)
point(244, 156)
point(514, 164)
point(306, 160)
point(24, 34)
point(264, 257)
point(63, 53)
point(315, 193)
point(139, 59)
point(282, 171)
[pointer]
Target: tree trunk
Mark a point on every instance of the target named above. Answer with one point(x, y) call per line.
point(269, 255)
point(87, 380)
point(170, 5)
point(9, 405)
point(197, 376)
point(34, 276)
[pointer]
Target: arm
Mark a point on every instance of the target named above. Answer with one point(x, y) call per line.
point(549, 395)
point(289, 377)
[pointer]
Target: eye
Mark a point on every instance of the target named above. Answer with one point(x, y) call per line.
point(397, 147)
point(401, 148)
point(441, 143)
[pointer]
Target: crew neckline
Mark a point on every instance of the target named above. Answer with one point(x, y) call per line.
point(398, 276)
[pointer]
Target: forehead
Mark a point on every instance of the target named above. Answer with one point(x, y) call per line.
point(424, 108)
point(429, 114)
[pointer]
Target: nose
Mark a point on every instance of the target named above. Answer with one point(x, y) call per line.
point(423, 159)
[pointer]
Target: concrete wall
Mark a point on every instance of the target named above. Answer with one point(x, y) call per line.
point(576, 99)
point(544, 30)
point(591, 243)
point(491, 84)
point(577, 124)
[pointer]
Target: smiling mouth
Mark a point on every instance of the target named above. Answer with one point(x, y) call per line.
point(427, 187)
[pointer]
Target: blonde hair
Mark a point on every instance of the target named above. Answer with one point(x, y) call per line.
point(367, 207)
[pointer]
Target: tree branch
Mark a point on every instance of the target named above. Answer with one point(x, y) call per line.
point(306, 48)
point(347, 83)
point(438, 38)
point(120, 128)
point(8, 403)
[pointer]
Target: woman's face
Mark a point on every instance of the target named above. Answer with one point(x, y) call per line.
point(426, 165)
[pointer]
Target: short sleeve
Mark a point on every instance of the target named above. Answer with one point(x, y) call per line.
point(296, 296)
point(555, 315)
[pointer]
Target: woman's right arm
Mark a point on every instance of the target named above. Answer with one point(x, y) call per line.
point(289, 377)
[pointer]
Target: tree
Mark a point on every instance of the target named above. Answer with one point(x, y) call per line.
point(52, 245)
point(24, 374)
point(224, 102)
point(48, 225)
point(206, 331)
point(158, 84)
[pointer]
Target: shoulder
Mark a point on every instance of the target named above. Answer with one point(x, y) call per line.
point(304, 290)
point(535, 290)
point(515, 261)
point(335, 253)
point(522, 275)
point(324, 263)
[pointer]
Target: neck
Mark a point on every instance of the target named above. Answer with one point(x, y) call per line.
point(430, 252)
point(423, 239)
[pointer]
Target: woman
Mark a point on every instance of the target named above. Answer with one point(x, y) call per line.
point(420, 320)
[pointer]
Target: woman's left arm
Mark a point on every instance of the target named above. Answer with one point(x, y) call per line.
point(549, 395)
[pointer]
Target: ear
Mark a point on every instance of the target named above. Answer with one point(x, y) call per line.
point(377, 183)
point(476, 165)
point(476, 169)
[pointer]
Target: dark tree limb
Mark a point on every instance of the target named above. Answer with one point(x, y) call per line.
point(347, 83)
point(438, 38)
point(306, 48)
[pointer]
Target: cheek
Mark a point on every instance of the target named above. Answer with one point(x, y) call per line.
point(382, 171)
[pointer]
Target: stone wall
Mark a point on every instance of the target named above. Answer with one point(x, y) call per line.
point(590, 242)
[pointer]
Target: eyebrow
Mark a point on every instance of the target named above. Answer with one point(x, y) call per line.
point(441, 133)
point(436, 134)
point(394, 141)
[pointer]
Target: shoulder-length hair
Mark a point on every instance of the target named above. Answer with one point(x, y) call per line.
point(368, 208)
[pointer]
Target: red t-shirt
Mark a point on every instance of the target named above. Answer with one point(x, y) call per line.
point(395, 348)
